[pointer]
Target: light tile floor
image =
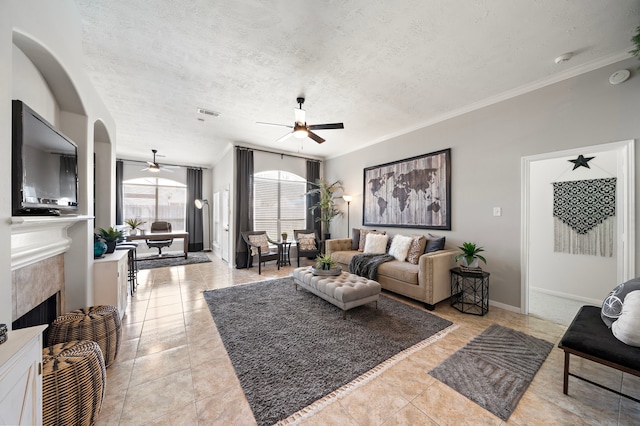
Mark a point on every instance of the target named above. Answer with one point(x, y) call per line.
point(173, 369)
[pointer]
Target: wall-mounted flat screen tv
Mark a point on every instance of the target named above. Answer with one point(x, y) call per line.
point(44, 166)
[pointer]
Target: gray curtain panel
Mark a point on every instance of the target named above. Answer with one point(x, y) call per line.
point(194, 216)
point(313, 175)
point(244, 199)
point(119, 193)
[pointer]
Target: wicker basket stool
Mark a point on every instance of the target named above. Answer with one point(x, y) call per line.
point(73, 383)
point(98, 323)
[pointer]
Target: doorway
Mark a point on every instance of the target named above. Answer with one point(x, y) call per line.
point(556, 284)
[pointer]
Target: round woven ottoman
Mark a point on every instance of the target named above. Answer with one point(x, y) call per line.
point(98, 323)
point(73, 383)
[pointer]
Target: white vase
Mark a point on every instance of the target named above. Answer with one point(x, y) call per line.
point(133, 232)
point(473, 264)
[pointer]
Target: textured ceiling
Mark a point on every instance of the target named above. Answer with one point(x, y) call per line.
point(380, 67)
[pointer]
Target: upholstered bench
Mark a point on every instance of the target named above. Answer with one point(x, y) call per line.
point(345, 291)
point(588, 337)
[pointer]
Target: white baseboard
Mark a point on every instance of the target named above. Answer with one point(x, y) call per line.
point(505, 306)
point(577, 298)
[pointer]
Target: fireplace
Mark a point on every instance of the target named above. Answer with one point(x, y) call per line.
point(44, 313)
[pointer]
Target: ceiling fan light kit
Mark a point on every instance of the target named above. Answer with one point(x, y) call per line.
point(300, 129)
point(154, 167)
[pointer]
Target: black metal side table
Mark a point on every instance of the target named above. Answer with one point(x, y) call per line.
point(470, 291)
point(284, 247)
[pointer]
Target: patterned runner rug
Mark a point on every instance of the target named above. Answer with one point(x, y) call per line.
point(292, 351)
point(495, 369)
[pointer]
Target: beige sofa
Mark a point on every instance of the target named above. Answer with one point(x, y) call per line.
point(428, 281)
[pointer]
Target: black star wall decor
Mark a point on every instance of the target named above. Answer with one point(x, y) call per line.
point(581, 161)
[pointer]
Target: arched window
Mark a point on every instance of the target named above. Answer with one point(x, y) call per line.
point(152, 199)
point(279, 203)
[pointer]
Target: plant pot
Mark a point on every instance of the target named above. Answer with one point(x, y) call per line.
point(327, 236)
point(473, 264)
point(111, 246)
point(133, 232)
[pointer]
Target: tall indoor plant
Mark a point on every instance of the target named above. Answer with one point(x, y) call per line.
point(326, 203)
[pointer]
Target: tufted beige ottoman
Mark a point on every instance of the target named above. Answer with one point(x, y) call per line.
point(98, 323)
point(346, 290)
point(73, 383)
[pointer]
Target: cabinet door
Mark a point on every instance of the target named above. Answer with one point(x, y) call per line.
point(21, 390)
point(123, 285)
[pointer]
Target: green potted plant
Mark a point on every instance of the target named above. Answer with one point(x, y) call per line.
point(326, 203)
point(110, 236)
point(134, 224)
point(284, 236)
point(636, 42)
point(469, 255)
point(325, 262)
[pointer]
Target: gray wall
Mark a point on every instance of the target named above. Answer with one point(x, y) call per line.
point(487, 146)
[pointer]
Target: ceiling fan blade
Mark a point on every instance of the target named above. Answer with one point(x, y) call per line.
point(315, 137)
point(274, 124)
point(300, 115)
point(285, 137)
point(326, 126)
point(150, 163)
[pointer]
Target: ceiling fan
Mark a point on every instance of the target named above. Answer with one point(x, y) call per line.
point(300, 127)
point(155, 167)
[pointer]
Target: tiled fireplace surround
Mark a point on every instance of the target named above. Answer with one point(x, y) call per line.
point(38, 245)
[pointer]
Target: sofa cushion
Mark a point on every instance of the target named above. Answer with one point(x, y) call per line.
point(376, 243)
point(400, 247)
point(343, 257)
point(401, 271)
point(434, 243)
point(417, 247)
point(355, 238)
point(363, 237)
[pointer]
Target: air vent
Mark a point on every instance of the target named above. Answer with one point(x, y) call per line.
point(207, 112)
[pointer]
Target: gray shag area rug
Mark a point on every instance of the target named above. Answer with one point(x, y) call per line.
point(164, 262)
point(293, 353)
point(495, 369)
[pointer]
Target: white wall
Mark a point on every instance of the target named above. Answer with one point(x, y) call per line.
point(487, 146)
point(50, 78)
point(577, 276)
point(222, 179)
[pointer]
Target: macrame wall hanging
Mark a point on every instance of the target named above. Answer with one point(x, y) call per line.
point(584, 216)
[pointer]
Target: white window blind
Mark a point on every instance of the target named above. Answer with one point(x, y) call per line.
point(152, 199)
point(279, 203)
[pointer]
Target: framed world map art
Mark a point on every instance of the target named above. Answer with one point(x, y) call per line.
point(411, 193)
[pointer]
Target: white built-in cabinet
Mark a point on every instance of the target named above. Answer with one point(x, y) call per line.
point(21, 377)
point(110, 280)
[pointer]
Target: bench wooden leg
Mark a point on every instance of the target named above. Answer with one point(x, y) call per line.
point(565, 385)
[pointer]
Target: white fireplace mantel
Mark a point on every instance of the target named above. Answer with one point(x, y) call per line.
point(35, 238)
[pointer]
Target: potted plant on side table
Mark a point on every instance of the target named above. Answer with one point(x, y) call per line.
point(110, 236)
point(470, 257)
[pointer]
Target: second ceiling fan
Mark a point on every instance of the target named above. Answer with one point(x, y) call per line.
point(300, 129)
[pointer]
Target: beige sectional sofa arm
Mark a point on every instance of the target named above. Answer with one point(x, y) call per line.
point(433, 273)
point(339, 244)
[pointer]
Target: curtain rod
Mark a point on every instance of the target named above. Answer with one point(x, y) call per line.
point(277, 153)
point(162, 164)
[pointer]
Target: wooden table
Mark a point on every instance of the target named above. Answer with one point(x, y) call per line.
point(163, 236)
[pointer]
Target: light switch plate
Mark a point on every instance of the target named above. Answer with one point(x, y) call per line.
point(497, 211)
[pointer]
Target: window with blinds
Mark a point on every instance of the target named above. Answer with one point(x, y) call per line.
point(279, 203)
point(152, 199)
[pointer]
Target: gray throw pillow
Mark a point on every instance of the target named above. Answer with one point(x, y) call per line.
point(612, 305)
point(355, 238)
point(434, 243)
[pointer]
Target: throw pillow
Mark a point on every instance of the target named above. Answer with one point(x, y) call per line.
point(307, 242)
point(626, 327)
point(400, 247)
point(434, 243)
point(355, 238)
point(363, 237)
point(417, 247)
point(612, 305)
point(259, 240)
point(376, 243)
